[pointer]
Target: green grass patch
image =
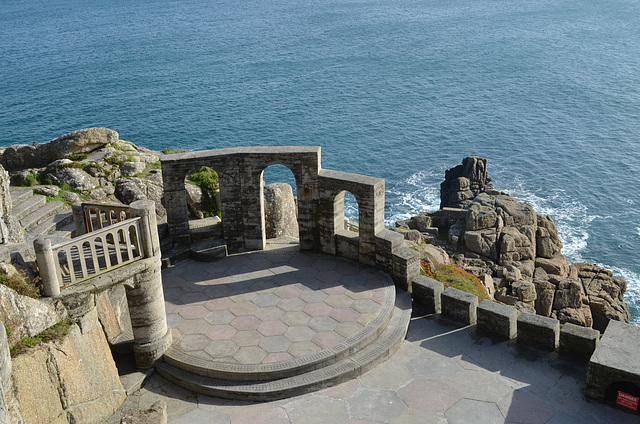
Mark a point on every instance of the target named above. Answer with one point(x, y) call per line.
point(24, 285)
point(77, 157)
point(148, 168)
point(55, 332)
point(64, 187)
point(454, 276)
point(207, 179)
point(168, 151)
point(31, 180)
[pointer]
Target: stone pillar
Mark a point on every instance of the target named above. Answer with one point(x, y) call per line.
point(252, 206)
point(175, 202)
point(47, 266)
point(78, 219)
point(371, 215)
point(151, 336)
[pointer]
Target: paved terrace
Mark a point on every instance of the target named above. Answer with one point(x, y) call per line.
point(231, 311)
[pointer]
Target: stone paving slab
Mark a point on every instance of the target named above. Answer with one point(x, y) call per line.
point(532, 387)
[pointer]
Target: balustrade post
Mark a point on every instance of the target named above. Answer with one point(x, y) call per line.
point(47, 266)
point(146, 210)
point(79, 219)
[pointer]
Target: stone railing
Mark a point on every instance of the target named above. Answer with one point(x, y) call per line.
point(88, 255)
point(91, 216)
point(124, 253)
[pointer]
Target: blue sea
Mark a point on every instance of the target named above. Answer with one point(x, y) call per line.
point(548, 91)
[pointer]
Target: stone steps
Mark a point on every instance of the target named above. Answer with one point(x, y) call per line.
point(280, 382)
point(39, 217)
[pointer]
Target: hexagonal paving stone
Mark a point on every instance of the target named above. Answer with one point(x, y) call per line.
point(299, 333)
point(219, 317)
point(270, 313)
point(173, 320)
point(322, 323)
point(250, 355)
point(388, 375)
point(480, 385)
point(222, 349)
point(336, 288)
point(359, 294)
point(376, 405)
point(247, 338)
point(273, 358)
point(274, 344)
point(312, 296)
point(327, 339)
point(339, 300)
point(245, 322)
point(328, 276)
point(317, 309)
point(311, 284)
point(353, 282)
point(243, 308)
point(428, 396)
point(318, 410)
point(324, 264)
point(365, 318)
point(348, 329)
point(217, 291)
point(295, 318)
point(194, 312)
point(258, 264)
point(433, 366)
point(291, 305)
point(220, 304)
point(193, 299)
point(344, 315)
point(288, 292)
point(272, 328)
point(365, 305)
point(193, 342)
point(193, 326)
point(243, 297)
point(301, 349)
point(220, 332)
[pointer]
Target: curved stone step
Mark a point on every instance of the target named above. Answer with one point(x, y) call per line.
point(19, 195)
point(348, 368)
point(233, 371)
point(53, 223)
point(208, 250)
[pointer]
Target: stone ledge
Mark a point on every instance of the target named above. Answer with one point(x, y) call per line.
point(538, 331)
point(459, 306)
point(578, 342)
point(428, 292)
point(498, 319)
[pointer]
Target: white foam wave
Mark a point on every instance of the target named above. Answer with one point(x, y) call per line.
point(418, 193)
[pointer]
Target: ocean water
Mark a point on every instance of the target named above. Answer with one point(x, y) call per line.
point(547, 91)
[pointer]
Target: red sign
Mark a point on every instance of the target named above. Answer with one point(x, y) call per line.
point(627, 401)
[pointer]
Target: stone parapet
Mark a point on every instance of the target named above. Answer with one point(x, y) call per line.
point(578, 342)
point(498, 319)
point(459, 306)
point(428, 292)
point(538, 331)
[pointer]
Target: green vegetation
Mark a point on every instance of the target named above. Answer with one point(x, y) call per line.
point(453, 276)
point(23, 285)
point(207, 179)
point(168, 151)
point(8, 328)
point(148, 168)
point(64, 187)
point(55, 332)
point(77, 157)
point(30, 180)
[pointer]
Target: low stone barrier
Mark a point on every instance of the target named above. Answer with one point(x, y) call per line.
point(428, 292)
point(538, 331)
point(459, 306)
point(498, 319)
point(578, 342)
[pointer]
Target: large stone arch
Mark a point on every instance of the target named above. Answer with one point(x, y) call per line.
point(241, 187)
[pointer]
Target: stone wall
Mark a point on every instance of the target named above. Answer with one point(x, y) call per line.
point(320, 202)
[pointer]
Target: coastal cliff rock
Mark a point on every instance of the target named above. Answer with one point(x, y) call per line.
point(11, 230)
point(520, 251)
point(280, 211)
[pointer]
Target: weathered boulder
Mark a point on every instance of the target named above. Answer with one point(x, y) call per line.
point(75, 178)
point(38, 155)
point(47, 190)
point(132, 168)
point(568, 294)
point(464, 182)
point(524, 291)
point(558, 265)
point(604, 292)
point(280, 211)
point(69, 380)
point(548, 242)
point(12, 231)
point(26, 316)
point(545, 292)
point(130, 189)
point(194, 200)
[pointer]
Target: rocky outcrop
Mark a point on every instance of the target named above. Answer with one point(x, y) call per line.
point(71, 380)
point(21, 156)
point(26, 316)
point(520, 250)
point(280, 211)
point(10, 229)
point(464, 182)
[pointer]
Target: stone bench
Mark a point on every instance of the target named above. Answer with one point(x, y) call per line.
point(578, 342)
point(615, 365)
point(538, 331)
point(497, 319)
point(459, 306)
point(427, 292)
